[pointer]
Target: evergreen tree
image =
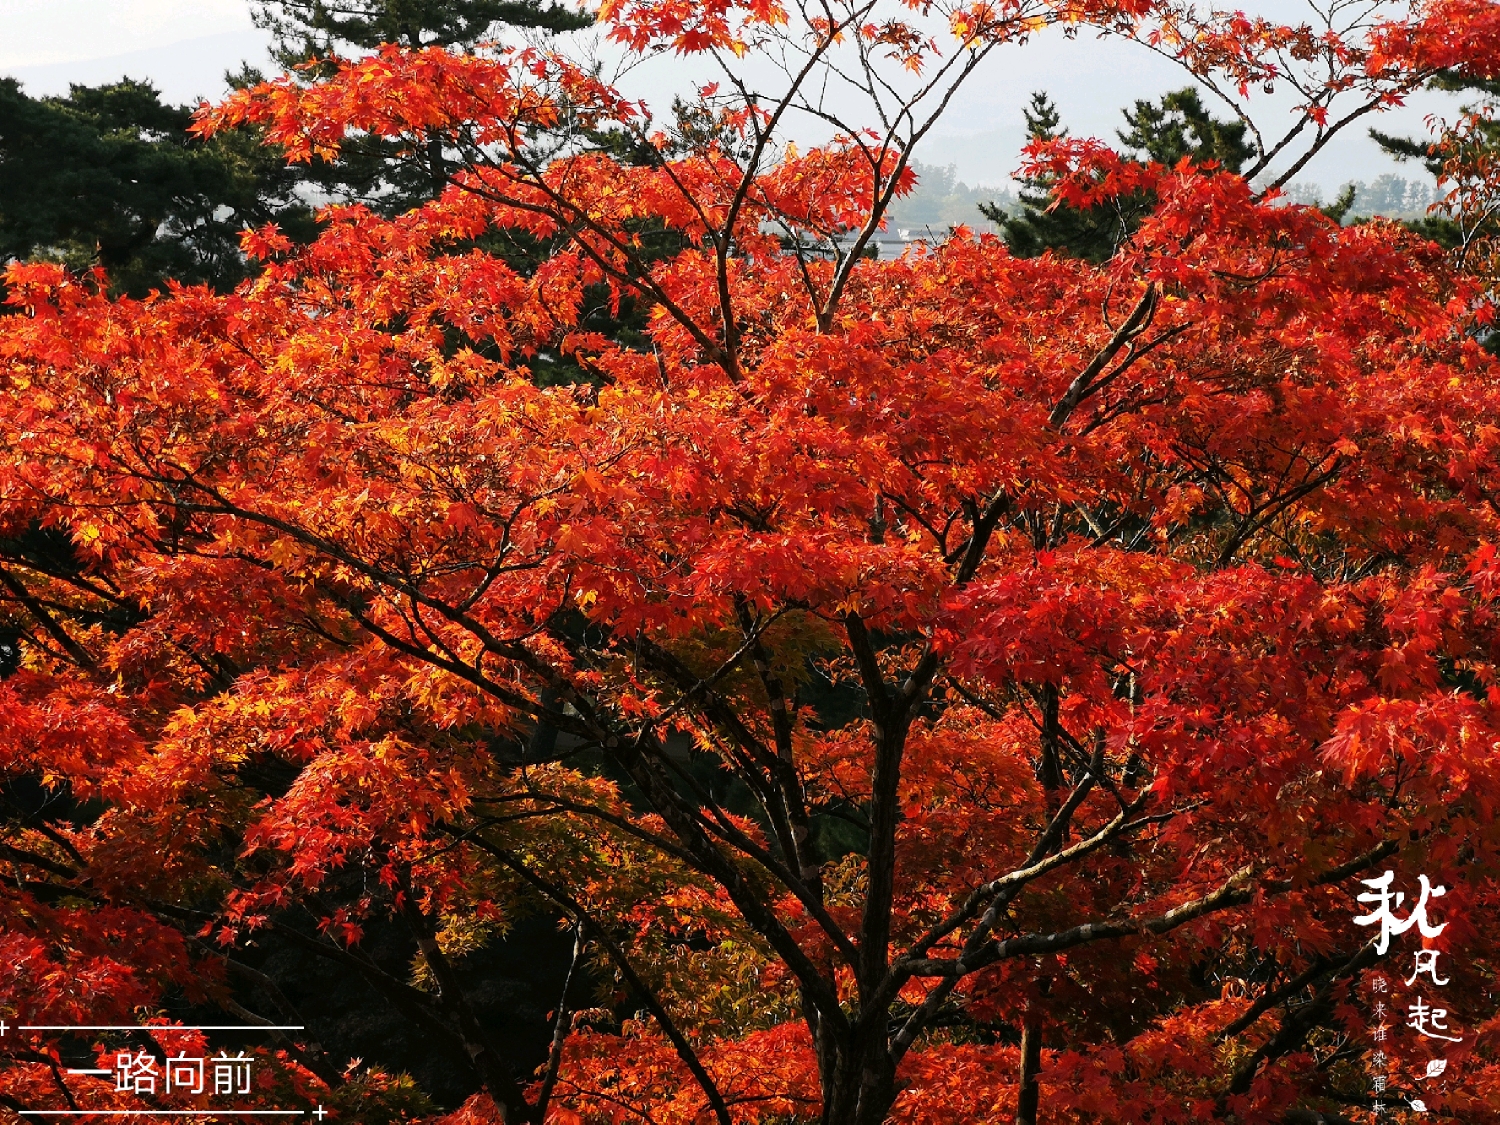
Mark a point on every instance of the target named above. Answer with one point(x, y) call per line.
point(1176, 127)
point(386, 176)
point(110, 176)
point(306, 28)
point(1342, 204)
point(1038, 225)
point(1179, 126)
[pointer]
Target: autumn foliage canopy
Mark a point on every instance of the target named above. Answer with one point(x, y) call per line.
point(950, 688)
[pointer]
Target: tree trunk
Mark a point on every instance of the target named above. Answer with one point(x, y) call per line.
point(862, 1086)
point(1031, 1063)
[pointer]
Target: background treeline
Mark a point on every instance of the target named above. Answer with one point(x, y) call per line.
point(942, 200)
point(1174, 126)
point(110, 176)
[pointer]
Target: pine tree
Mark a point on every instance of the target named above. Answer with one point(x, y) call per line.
point(307, 28)
point(1167, 131)
point(388, 177)
point(1042, 224)
point(1179, 126)
point(110, 176)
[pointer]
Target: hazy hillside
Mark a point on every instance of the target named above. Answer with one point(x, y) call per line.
point(941, 200)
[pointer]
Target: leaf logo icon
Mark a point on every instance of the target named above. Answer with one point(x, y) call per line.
point(1436, 1067)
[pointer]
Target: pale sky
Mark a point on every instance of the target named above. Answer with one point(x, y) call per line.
point(184, 47)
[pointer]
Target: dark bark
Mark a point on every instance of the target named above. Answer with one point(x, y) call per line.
point(1031, 1064)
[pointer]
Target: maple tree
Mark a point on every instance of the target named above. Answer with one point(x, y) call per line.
point(383, 172)
point(927, 689)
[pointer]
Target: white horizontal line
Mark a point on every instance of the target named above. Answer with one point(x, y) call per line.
point(159, 1027)
point(160, 1112)
point(71, 1071)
